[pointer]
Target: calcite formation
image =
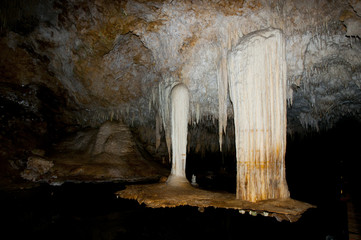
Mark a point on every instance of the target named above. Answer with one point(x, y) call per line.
point(257, 77)
point(180, 110)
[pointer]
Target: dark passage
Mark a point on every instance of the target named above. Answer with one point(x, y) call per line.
point(91, 211)
point(319, 166)
point(322, 169)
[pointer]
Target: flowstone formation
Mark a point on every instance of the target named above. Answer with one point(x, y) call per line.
point(257, 83)
point(162, 195)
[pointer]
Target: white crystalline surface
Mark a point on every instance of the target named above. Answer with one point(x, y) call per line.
point(257, 83)
point(179, 121)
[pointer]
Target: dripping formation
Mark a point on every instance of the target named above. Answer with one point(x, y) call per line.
point(257, 83)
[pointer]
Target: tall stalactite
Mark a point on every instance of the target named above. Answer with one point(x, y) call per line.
point(222, 97)
point(229, 38)
point(164, 94)
point(257, 86)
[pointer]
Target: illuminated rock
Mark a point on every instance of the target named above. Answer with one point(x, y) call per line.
point(257, 78)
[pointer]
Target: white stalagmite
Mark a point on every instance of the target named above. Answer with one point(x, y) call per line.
point(179, 126)
point(257, 86)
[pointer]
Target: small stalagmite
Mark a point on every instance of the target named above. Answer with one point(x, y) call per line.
point(257, 86)
point(179, 126)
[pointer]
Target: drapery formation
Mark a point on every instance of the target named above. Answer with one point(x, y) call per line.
point(257, 86)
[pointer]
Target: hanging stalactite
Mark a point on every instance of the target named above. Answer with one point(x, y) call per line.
point(257, 85)
point(158, 129)
point(222, 96)
point(230, 37)
point(164, 89)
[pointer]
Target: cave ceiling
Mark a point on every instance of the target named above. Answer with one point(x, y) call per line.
point(119, 59)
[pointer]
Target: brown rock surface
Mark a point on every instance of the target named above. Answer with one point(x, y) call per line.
point(36, 166)
point(163, 195)
point(107, 154)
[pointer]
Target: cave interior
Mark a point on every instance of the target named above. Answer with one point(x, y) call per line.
point(87, 112)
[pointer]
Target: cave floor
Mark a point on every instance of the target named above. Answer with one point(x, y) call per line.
point(162, 195)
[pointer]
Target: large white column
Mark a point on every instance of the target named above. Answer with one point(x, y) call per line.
point(179, 122)
point(257, 86)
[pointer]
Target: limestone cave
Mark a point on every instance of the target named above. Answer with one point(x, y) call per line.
point(180, 119)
